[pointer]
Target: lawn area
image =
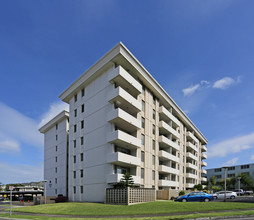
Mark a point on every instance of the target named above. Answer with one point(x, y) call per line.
point(157, 207)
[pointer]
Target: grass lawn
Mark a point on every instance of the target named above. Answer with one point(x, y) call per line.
point(138, 209)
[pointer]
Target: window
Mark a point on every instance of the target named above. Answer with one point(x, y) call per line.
point(74, 159)
point(56, 148)
point(56, 137)
point(153, 160)
point(75, 112)
point(75, 97)
point(246, 173)
point(142, 139)
point(154, 114)
point(154, 129)
point(143, 90)
point(154, 99)
point(81, 173)
point(217, 170)
point(231, 168)
point(231, 175)
point(56, 159)
point(245, 166)
point(74, 189)
point(56, 170)
point(143, 105)
point(82, 92)
point(81, 157)
point(143, 122)
point(56, 126)
point(82, 108)
point(153, 144)
point(82, 124)
point(74, 143)
point(55, 180)
point(75, 128)
point(153, 175)
point(74, 174)
point(81, 189)
point(121, 170)
point(142, 156)
point(142, 173)
point(82, 140)
point(218, 176)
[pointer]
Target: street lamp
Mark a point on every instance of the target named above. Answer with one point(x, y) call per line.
point(44, 181)
point(239, 184)
point(225, 182)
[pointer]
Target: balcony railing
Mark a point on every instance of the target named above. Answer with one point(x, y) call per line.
point(189, 185)
point(115, 178)
point(123, 139)
point(203, 156)
point(203, 171)
point(123, 119)
point(165, 128)
point(203, 148)
point(189, 144)
point(166, 169)
point(122, 159)
point(168, 183)
point(124, 100)
point(191, 176)
point(122, 78)
point(165, 113)
point(192, 166)
point(168, 143)
point(192, 156)
point(189, 134)
point(203, 164)
point(204, 179)
point(164, 155)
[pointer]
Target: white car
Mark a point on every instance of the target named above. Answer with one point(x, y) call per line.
point(221, 194)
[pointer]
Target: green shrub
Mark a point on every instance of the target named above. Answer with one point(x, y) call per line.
point(181, 193)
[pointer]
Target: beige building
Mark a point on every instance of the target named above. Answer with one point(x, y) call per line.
point(121, 120)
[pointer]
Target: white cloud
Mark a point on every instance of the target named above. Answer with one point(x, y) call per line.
point(190, 90)
point(9, 146)
point(19, 173)
point(16, 127)
point(252, 158)
point(231, 162)
point(232, 145)
point(54, 109)
point(223, 83)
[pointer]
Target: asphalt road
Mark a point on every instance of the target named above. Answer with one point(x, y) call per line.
point(247, 199)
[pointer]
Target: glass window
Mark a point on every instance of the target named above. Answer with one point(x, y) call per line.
point(82, 124)
point(56, 126)
point(142, 139)
point(81, 189)
point(142, 173)
point(154, 114)
point(81, 157)
point(75, 128)
point(154, 99)
point(82, 108)
point(74, 189)
point(143, 122)
point(154, 129)
point(82, 140)
point(56, 170)
point(75, 112)
point(74, 174)
point(74, 159)
point(153, 175)
point(74, 143)
point(56, 137)
point(75, 97)
point(56, 159)
point(56, 148)
point(82, 92)
point(153, 144)
point(142, 156)
point(143, 105)
point(143, 90)
point(153, 160)
point(81, 173)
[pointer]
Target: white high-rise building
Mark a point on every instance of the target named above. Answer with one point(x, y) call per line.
point(121, 120)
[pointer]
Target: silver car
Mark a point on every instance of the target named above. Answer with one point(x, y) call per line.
point(221, 195)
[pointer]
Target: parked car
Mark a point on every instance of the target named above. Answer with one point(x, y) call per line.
point(61, 198)
point(195, 197)
point(248, 192)
point(221, 195)
point(239, 192)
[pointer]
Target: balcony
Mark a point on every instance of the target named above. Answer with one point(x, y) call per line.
point(124, 100)
point(189, 185)
point(168, 143)
point(123, 79)
point(192, 136)
point(164, 155)
point(203, 156)
point(123, 139)
point(203, 179)
point(203, 171)
point(168, 183)
point(191, 176)
point(123, 120)
point(165, 114)
point(115, 178)
point(192, 156)
point(192, 166)
point(166, 169)
point(122, 159)
point(192, 146)
point(203, 164)
point(203, 148)
point(167, 129)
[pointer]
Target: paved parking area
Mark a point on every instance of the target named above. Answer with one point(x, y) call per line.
point(248, 199)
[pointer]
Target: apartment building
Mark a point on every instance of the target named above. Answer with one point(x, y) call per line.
point(231, 171)
point(121, 120)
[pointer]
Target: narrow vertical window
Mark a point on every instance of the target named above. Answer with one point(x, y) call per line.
point(143, 105)
point(154, 114)
point(75, 97)
point(74, 159)
point(82, 92)
point(143, 122)
point(142, 156)
point(56, 126)
point(153, 144)
point(142, 139)
point(74, 189)
point(56, 137)
point(154, 129)
point(56, 159)
point(75, 128)
point(81, 173)
point(142, 173)
point(81, 189)
point(82, 108)
point(74, 143)
point(81, 157)
point(82, 124)
point(153, 160)
point(153, 175)
point(74, 174)
point(75, 112)
point(56, 148)
point(81, 140)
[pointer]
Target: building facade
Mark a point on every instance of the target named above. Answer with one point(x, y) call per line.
point(121, 120)
point(231, 171)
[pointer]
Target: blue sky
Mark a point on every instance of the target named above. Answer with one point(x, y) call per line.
point(200, 51)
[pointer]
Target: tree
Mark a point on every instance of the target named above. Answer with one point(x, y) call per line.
point(126, 181)
point(213, 180)
point(1, 189)
point(199, 187)
point(246, 181)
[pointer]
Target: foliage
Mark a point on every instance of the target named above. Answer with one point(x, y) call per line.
point(246, 181)
point(181, 193)
point(14, 185)
point(199, 187)
point(126, 181)
point(213, 180)
point(216, 188)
